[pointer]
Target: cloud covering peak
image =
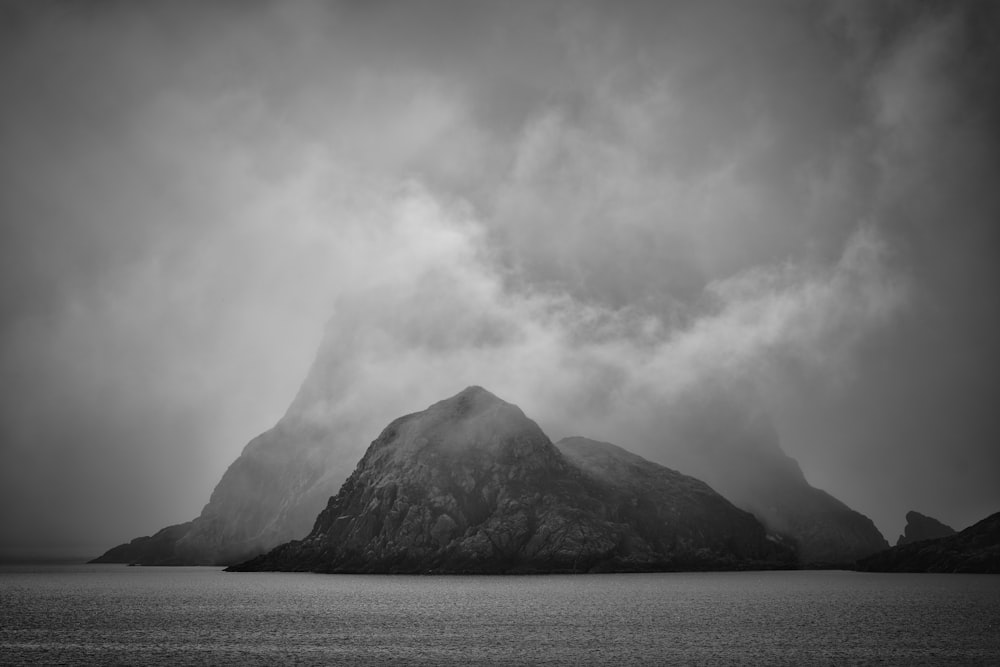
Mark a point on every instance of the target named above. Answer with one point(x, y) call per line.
point(592, 210)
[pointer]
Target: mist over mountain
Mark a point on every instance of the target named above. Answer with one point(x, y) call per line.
point(726, 440)
point(268, 495)
point(603, 212)
point(472, 485)
point(275, 488)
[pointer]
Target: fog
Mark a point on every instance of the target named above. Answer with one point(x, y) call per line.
point(594, 210)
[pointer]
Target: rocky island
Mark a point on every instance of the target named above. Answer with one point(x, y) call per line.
point(472, 485)
point(284, 477)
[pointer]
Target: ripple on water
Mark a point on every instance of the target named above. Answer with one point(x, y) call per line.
point(111, 614)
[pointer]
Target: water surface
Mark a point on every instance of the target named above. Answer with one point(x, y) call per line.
point(107, 614)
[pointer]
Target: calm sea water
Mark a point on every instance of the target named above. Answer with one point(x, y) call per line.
point(137, 615)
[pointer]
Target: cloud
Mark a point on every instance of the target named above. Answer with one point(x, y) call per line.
point(434, 314)
point(589, 211)
point(908, 427)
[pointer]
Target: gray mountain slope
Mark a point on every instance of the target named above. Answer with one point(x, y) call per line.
point(472, 485)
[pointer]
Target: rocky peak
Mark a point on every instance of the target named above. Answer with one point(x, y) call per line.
point(921, 527)
point(473, 427)
point(471, 398)
point(473, 485)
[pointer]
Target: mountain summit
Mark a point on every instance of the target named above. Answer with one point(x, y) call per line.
point(471, 484)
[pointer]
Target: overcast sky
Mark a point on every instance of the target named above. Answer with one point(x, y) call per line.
point(643, 199)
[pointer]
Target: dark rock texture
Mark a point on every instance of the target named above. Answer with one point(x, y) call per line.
point(472, 485)
point(975, 549)
point(920, 527)
point(738, 453)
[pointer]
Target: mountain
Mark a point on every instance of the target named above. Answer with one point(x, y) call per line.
point(270, 494)
point(975, 549)
point(737, 451)
point(920, 527)
point(473, 485)
point(273, 491)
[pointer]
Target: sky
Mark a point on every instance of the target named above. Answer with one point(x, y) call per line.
point(596, 210)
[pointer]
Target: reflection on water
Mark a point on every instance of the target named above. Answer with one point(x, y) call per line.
point(116, 614)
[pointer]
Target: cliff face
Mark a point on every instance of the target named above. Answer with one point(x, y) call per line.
point(975, 549)
point(738, 453)
point(269, 495)
point(920, 527)
point(472, 485)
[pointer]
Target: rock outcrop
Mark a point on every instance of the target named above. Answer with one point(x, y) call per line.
point(973, 550)
point(473, 485)
point(921, 527)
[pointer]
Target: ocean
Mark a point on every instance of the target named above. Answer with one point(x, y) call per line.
point(108, 614)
